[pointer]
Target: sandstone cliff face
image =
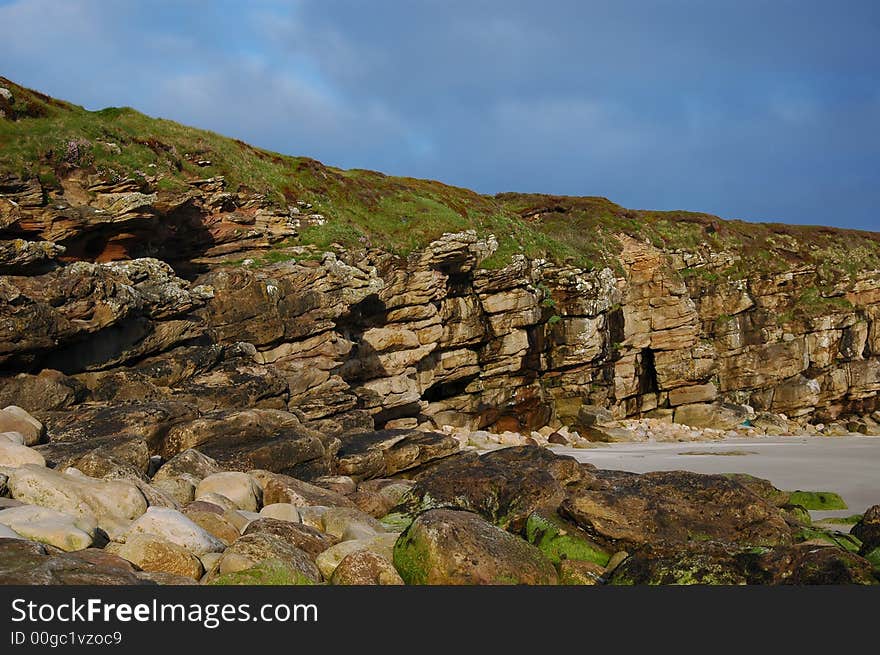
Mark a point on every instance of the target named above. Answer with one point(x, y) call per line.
point(349, 339)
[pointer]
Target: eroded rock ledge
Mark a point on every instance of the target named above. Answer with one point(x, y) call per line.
point(367, 338)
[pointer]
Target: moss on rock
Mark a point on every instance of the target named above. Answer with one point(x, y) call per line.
point(267, 573)
point(560, 541)
point(817, 500)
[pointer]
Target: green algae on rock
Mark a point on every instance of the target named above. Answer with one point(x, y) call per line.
point(453, 547)
point(817, 500)
point(560, 540)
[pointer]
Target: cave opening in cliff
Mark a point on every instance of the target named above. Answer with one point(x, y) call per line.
point(647, 372)
point(443, 390)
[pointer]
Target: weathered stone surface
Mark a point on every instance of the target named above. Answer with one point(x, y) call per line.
point(281, 512)
point(716, 564)
point(867, 530)
point(252, 549)
point(306, 538)
point(673, 506)
point(28, 563)
point(240, 488)
point(279, 488)
point(189, 462)
point(348, 523)
point(14, 455)
point(387, 452)
point(382, 545)
point(154, 554)
point(16, 419)
point(171, 525)
point(452, 547)
point(252, 439)
point(365, 568)
point(51, 527)
point(503, 486)
point(112, 503)
point(701, 415)
point(213, 523)
point(47, 390)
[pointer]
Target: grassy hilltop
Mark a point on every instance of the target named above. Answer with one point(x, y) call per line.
point(44, 137)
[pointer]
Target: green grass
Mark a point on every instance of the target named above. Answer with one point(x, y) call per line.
point(54, 140)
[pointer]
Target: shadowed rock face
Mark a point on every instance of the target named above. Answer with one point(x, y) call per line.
point(503, 487)
point(28, 563)
point(717, 564)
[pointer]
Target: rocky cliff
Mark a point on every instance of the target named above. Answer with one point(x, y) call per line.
point(188, 299)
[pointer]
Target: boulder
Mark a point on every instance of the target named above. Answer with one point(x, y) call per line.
point(51, 527)
point(173, 526)
point(252, 549)
point(253, 439)
point(387, 452)
point(279, 488)
point(310, 540)
point(14, 455)
point(673, 506)
point(189, 463)
point(867, 530)
point(719, 416)
point(112, 503)
point(348, 523)
point(503, 486)
point(240, 488)
point(561, 540)
point(182, 488)
point(711, 563)
point(365, 568)
point(270, 572)
point(29, 563)
point(214, 524)
point(151, 553)
point(580, 573)
point(452, 547)
point(281, 512)
point(329, 559)
point(15, 419)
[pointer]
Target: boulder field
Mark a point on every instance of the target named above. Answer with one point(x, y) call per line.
point(513, 515)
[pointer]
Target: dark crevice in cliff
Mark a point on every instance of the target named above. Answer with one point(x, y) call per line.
point(443, 390)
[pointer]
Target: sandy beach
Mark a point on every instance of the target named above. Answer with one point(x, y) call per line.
point(847, 465)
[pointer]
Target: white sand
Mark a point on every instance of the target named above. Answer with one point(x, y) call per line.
point(848, 465)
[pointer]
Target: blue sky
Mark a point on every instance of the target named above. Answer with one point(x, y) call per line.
point(753, 109)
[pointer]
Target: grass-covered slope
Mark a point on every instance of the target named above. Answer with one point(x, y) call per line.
point(45, 137)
